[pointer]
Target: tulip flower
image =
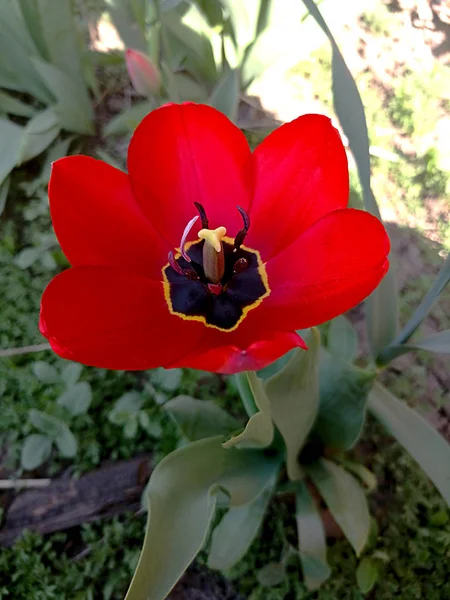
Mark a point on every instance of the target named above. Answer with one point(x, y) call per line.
point(206, 255)
point(144, 74)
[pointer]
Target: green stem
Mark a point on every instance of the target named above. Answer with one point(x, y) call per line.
point(246, 394)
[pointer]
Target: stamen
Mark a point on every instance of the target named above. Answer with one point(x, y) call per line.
point(173, 263)
point(240, 237)
point(186, 231)
point(202, 212)
point(240, 265)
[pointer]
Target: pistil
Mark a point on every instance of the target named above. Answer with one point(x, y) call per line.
point(213, 256)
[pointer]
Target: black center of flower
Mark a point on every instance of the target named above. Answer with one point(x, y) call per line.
point(223, 299)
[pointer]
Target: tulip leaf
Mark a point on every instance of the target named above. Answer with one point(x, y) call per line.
point(181, 498)
point(199, 419)
point(364, 475)
point(124, 19)
point(243, 387)
point(398, 346)
point(58, 30)
point(343, 396)
point(127, 121)
point(32, 18)
point(73, 105)
point(36, 450)
point(12, 106)
point(382, 306)
point(417, 436)
point(10, 140)
point(439, 343)
point(342, 339)
point(258, 432)
point(16, 50)
point(312, 541)
point(293, 394)
point(38, 134)
point(345, 499)
point(225, 95)
point(235, 533)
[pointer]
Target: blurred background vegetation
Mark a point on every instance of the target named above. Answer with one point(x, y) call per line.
point(65, 421)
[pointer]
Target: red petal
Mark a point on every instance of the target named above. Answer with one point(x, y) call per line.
point(181, 154)
point(232, 358)
point(330, 268)
point(114, 320)
point(301, 175)
point(97, 219)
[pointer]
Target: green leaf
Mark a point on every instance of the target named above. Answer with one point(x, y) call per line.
point(27, 257)
point(131, 427)
point(243, 16)
point(271, 574)
point(235, 533)
point(382, 315)
point(71, 373)
point(77, 398)
point(47, 424)
point(242, 385)
point(36, 450)
point(45, 372)
point(65, 442)
point(38, 134)
point(343, 398)
point(417, 436)
point(10, 139)
point(127, 121)
point(345, 500)
point(4, 189)
point(151, 427)
point(181, 496)
point(397, 347)
point(167, 379)
point(199, 419)
point(225, 95)
point(127, 405)
point(191, 38)
point(364, 475)
point(124, 19)
point(32, 18)
point(342, 339)
point(367, 574)
point(311, 539)
point(382, 306)
point(16, 51)
point(440, 343)
point(294, 399)
point(57, 23)
point(73, 105)
point(12, 106)
point(259, 431)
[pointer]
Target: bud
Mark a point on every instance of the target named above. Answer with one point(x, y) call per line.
point(144, 75)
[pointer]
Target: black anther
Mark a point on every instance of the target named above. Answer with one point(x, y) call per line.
point(240, 265)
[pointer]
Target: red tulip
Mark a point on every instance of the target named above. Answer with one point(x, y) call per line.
point(139, 295)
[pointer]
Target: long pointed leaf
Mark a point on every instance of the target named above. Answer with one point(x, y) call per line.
point(312, 543)
point(181, 496)
point(10, 139)
point(346, 500)
point(382, 306)
point(417, 436)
